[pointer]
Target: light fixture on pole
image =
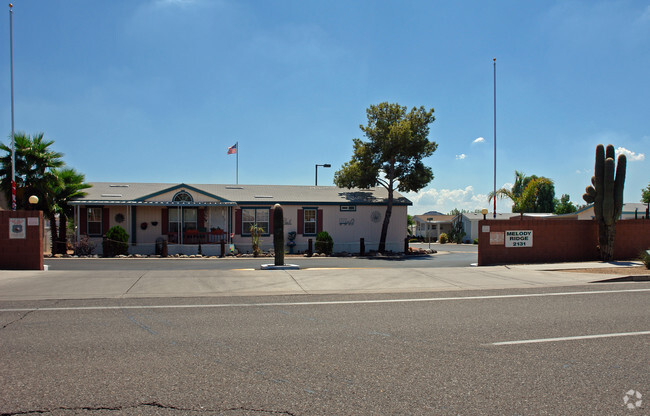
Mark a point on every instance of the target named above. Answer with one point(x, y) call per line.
point(326, 165)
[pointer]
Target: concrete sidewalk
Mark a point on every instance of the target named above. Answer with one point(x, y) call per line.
point(41, 285)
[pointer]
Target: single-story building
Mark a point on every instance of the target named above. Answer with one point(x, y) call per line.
point(631, 210)
point(189, 215)
point(431, 226)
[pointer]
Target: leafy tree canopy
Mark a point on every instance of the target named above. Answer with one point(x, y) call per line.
point(645, 195)
point(529, 194)
point(565, 206)
point(392, 156)
point(397, 142)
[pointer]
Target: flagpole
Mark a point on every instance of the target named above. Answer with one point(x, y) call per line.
point(13, 133)
point(237, 147)
point(494, 197)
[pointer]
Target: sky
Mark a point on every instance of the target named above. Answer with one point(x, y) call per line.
point(157, 90)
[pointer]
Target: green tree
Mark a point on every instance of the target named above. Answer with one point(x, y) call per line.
point(528, 194)
point(457, 231)
point(410, 223)
point(392, 156)
point(69, 185)
point(645, 195)
point(565, 206)
point(35, 163)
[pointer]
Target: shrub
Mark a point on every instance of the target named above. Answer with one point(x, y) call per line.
point(115, 242)
point(84, 247)
point(476, 241)
point(645, 258)
point(324, 243)
point(443, 238)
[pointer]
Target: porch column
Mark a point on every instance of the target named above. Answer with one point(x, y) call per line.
point(438, 230)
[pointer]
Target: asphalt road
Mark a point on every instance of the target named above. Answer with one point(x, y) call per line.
point(327, 355)
point(449, 255)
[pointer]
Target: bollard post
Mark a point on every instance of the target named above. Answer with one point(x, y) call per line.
point(164, 252)
point(406, 245)
point(310, 248)
point(362, 247)
point(223, 249)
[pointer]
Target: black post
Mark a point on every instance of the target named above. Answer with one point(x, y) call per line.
point(223, 249)
point(362, 247)
point(310, 247)
point(406, 245)
point(636, 213)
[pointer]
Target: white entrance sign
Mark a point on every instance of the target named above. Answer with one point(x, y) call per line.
point(17, 228)
point(519, 238)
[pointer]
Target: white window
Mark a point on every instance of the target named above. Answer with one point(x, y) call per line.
point(94, 221)
point(309, 224)
point(255, 216)
point(186, 216)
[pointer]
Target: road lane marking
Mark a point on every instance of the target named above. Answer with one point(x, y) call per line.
point(534, 341)
point(317, 303)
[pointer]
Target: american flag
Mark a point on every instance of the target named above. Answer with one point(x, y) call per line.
point(232, 149)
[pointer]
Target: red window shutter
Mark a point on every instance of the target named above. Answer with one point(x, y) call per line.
point(301, 219)
point(201, 218)
point(106, 220)
point(83, 220)
point(319, 220)
point(164, 222)
point(238, 221)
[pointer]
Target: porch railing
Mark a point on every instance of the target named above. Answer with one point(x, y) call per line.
point(196, 237)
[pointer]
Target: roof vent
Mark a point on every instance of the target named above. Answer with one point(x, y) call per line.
point(262, 196)
point(234, 187)
point(119, 186)
point(111, 195)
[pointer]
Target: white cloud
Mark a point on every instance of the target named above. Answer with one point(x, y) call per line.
point(445, 200)
point(461, 156)
point(631, 156)
point(479, 140)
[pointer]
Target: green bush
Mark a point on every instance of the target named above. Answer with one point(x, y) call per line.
point(476, 241)
point(443, 238)
point(324, 243)
point(645, 258)
point(115, 242)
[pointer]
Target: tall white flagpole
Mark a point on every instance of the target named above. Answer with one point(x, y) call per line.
point(237, 148)
point(495, 138)
point(13, 133)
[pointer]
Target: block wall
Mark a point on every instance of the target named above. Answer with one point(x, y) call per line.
point(560, 240)
point(21, 253)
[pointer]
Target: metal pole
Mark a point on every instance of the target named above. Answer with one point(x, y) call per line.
point(494, 198)
point(13, 133)
point(237, 146)
point(316, 178)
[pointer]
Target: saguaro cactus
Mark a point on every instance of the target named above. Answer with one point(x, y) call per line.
point(606, 193)
point(278, 234)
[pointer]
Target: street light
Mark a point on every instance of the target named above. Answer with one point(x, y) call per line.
point(326, 165)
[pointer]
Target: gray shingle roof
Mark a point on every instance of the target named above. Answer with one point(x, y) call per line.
point(216, 194)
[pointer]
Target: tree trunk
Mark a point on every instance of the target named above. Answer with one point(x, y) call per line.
point(63, 234)
point(384, 227)
point(53, 233)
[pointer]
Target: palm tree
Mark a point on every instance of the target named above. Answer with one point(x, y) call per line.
point(524, 193)
point(34, 163)
point(70, 185)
